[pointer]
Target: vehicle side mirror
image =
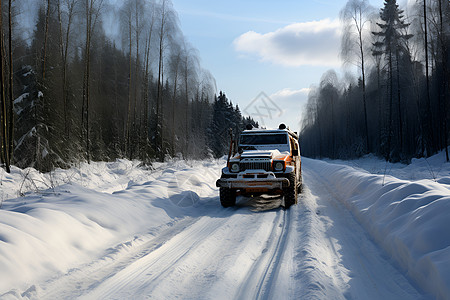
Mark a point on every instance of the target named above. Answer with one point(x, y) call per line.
point(295, 152)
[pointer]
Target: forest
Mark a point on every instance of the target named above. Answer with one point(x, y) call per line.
point(73, 91)
point(398, 106)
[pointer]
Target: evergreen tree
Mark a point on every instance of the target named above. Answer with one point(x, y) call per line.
point(392, 46)
point(224, 118)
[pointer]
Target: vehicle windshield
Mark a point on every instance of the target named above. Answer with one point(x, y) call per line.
point(263, 139)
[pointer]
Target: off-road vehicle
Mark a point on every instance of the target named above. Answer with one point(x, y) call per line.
point(266, 162)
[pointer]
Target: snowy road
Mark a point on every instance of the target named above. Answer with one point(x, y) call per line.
point(233, 253)
point(162, 234)
point(256, 250)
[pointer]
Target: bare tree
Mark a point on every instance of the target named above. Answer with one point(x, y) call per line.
point(162, 36)
point(167, 29)
point(64, 41)
point(44, 56)
point(428, 113)
point(190, 68)
point(152, 10)
point(92, 13)
point(138, 27)
point(356, 16)
point(132, 18)
point(128, 14)
point(174, 68)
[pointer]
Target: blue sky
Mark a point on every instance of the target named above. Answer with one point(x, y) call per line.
point(279, 48)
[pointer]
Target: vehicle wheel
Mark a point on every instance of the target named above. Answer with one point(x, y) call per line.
point(300, 186)
point(290, 193)
point(227, 197)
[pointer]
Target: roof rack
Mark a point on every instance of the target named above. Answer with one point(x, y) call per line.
point(282, 127)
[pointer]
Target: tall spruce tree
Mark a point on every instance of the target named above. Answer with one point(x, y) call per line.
point(224, 118)
point(391, 46)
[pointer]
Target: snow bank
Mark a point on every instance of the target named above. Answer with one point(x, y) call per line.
point(434, 168)
point(69, 217)
point(101, 176)
point(408, 218)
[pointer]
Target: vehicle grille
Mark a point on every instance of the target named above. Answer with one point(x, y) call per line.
point(256, 164)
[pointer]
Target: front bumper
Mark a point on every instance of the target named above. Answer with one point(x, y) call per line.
point(263, 180)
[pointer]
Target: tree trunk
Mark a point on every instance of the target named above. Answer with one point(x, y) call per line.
point(388, 154)
point(45, 40)
point(11, 88)
point(86, 86)
point(136, 67)
point(399, 104)
point(380, 110)
point(186, 91)
point(64, 53)
point(61, 48)
point(445, 78)
point(428, 119)
point(159, 126)
point(128, 137)
point(363, 73)
point(146, 88)
point(173, 108)
point(4, 115)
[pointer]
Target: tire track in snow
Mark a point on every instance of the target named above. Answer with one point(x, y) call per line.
point(143, 275)
point(263, 275)
point(215, 268)
point(87, 277)
point(191, 262)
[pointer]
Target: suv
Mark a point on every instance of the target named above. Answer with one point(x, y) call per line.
point(266, 162)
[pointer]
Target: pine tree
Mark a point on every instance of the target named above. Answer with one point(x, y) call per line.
point(225, 117)
point(391, 46)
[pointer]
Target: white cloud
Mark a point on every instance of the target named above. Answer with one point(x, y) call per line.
point(314, 43)
point(291, 93)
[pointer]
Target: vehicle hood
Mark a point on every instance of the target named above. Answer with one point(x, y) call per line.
point(260, 153)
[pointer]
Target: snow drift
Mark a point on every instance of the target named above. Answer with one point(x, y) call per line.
point(408, 218)
point(68, 217)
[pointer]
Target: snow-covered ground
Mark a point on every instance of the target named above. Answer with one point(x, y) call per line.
point(363, 229)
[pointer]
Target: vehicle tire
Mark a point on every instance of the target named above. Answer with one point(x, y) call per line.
point(300, 186)
point(227, 197)
point(290, 193)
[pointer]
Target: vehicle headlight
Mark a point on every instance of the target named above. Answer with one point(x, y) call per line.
point(278, 166)
point(235, 167)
